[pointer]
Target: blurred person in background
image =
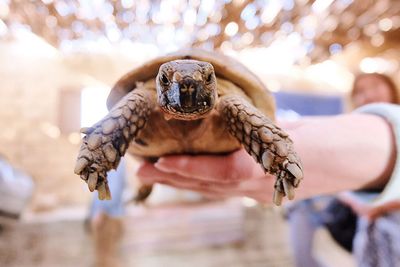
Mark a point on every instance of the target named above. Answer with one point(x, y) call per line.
point(376, 212)
point(346, 152)
point(340, 215)
point(105, 219)
point(373, 88)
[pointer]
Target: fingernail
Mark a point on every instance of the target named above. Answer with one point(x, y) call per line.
point(170, 163)
point(160, 165)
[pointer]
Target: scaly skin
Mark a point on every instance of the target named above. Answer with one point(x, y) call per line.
point(186, 90)
point(265, 142)
point(107, 141)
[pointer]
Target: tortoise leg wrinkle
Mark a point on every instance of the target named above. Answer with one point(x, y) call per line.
point(107, 141)
point(265, 142)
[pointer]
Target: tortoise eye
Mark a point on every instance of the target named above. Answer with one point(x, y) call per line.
point(164, 79)
point(209, 78)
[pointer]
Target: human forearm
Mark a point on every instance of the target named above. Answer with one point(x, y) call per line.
point(345, 152)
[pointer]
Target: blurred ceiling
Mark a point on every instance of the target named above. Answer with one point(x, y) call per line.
point(321, 27)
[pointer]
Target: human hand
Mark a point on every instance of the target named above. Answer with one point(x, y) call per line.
point(368, 210)
point(214, 176)
point(338, 153)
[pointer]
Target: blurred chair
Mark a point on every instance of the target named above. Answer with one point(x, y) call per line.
point(16, 189)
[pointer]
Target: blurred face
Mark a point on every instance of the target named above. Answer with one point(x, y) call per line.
point(371, 89)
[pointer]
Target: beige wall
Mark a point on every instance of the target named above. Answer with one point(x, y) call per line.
point(32, 74)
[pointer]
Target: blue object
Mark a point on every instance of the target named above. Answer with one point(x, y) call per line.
point(116, 183)
point(309, 104)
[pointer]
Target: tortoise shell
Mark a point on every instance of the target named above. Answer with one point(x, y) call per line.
point(225, 67)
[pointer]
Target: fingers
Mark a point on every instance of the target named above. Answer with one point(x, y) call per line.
point(207, 168)
point(373, 212)
point(368, 209)
point(206, 192)
point(222, 169)
point(260, 189)
point(149, 174)
point(257, 188)
point(290, 125)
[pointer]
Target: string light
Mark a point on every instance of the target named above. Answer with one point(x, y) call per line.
point(233, 24)
point(231, 29)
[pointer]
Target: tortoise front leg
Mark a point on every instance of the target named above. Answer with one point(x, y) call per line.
point(107, 141)
point(265, 142)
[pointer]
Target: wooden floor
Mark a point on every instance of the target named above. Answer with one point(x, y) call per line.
point(212, 234)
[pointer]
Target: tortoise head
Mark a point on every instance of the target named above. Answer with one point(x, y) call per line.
point(186, 89)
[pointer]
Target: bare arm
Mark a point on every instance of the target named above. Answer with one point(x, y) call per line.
point(344, 152)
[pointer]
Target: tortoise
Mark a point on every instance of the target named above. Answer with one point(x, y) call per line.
point(188, 102)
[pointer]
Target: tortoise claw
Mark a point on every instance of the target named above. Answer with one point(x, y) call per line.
point(265, 142)
point(80, 165)
point(289, 189)
point(277, 197)
point(296, 171)
point(108, 193)
point(102, 191)
point(107, 141)
point(92, 181)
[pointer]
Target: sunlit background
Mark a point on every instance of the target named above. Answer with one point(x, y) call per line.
point(301, 39)
point(60, 58)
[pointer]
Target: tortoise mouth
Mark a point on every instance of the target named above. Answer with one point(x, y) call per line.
point(198, 112)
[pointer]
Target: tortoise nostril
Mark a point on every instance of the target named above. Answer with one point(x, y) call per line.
point(188, 90)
